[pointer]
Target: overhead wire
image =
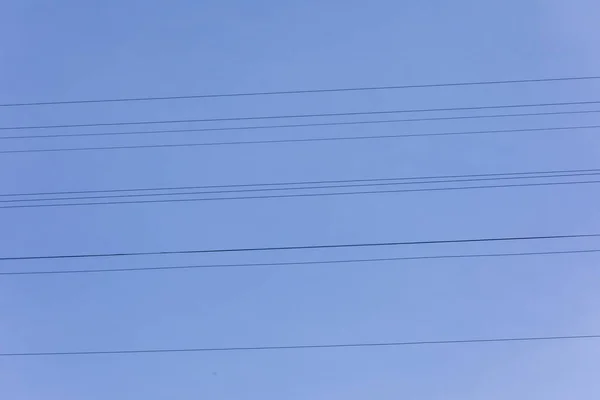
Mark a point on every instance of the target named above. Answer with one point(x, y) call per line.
point(300, 91)
point(316, 115)
point(303, 346)
point(407, 179)
point(298, 195)
point(303, 247)
point(293, 140)
point(233, 189)
point(296, 263)
point(307, 346)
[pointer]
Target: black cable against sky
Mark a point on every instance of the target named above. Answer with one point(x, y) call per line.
point(322, 185)
point(318, 115)
point(301, 91)
point(297, 263)
point(299, 140)
point(523, 174)
point(299, 195)
point(302, 347)
point(304, 247)
point(322, 124)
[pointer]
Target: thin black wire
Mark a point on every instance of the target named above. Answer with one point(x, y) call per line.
point(302, 347)
point(297, 263)
point(305, 91)
point(127, 196)
point(287, 126)
point(324, 184)
point(280, 141)
point(318, 115)
point(303, 247)
point(186, 200)
point(271, 184)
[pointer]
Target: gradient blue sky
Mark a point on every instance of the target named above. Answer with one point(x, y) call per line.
point(72, 49)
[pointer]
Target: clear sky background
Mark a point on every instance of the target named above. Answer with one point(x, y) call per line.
point(72, 49)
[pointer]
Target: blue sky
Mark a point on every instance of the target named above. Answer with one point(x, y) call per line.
point(73, 49)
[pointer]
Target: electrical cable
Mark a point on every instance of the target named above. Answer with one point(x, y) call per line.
point(364, 183)
point(296, 263)
point(300, 140)
point(302, 347)
point(524, 174)
point(299, 195)
point(304, 247)
point(306, 125)
point(318, 115)
point(302, 91)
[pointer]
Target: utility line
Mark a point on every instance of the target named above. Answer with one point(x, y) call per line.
point(281, 196)
point(317, 115)
point(303, 247)
point(368, 183)
point(302, 140)
point(288, 126)
point(305, 91)
point(297, 263)
point(500, 175)
point(303, 347)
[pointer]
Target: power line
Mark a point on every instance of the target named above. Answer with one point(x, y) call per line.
point(407, 180)
point(281, 196)
point(288, 126)
point(364, 183)
point(304, 91)
point(297, 263)
point(282, 141)
point(317, 115)
point(302, 247)
point(303, 347)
